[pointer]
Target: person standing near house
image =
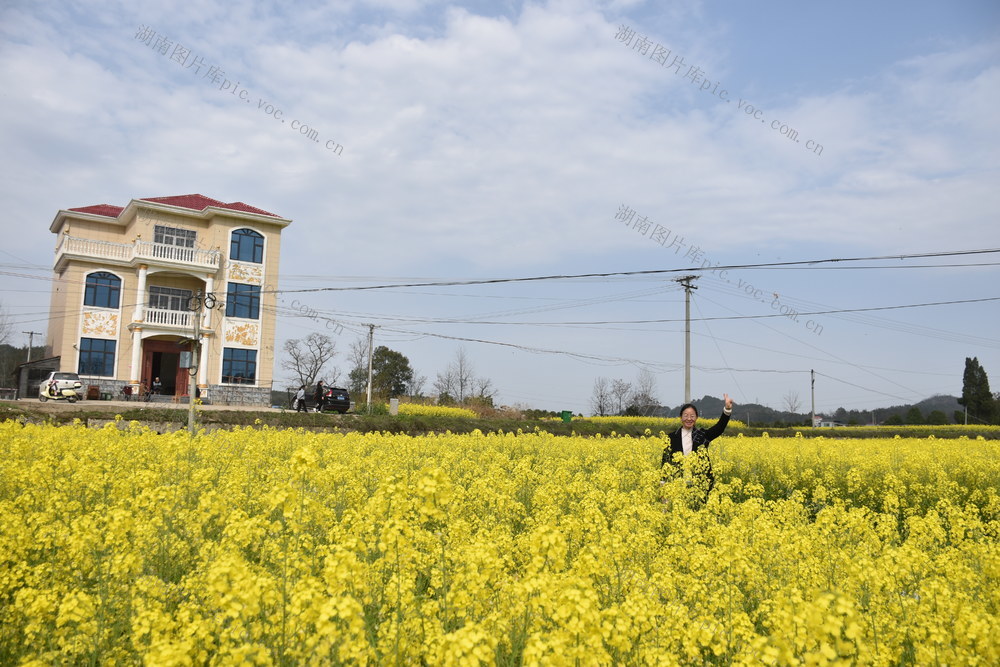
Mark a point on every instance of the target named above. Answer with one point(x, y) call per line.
point(688, 440)
point(319, 395)
point(300, 399)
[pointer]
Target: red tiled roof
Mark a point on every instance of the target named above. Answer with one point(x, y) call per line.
point(201, 202)
point(100, 209)
point(194, 202)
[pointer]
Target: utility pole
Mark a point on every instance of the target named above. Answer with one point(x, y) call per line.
point(686, 284)
point(812, 391)
point(31, 341)
point(371, 337)
point(196, 305)
point(195, 362)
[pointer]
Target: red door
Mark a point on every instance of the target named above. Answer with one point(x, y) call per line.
point(158, 347)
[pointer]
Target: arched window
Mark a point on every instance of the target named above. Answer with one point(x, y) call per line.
point(103, 290)
point(247, 246)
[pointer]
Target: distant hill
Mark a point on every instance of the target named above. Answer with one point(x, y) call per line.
point(711, 406)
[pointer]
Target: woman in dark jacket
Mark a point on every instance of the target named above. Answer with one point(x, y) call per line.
point(690, 440)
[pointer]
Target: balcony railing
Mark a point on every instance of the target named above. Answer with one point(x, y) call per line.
point(140, 250)
point(174, 253)
point(168, 318)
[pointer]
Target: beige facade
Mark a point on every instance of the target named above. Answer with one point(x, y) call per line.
point(121, 308)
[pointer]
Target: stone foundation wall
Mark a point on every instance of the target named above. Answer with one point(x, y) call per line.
point(234, 394)
point(107, 385)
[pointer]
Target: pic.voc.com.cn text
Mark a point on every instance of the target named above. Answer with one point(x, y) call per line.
point(668, 239)
point(698, 77)
point(184, 57)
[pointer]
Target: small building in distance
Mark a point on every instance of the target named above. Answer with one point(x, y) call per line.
point(125, 295)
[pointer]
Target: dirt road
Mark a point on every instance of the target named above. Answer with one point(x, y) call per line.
point(112, 407)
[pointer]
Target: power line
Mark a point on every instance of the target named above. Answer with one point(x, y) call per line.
point(493, 281)
point(699, 319)
point(868, 268)
point(836, 358)
point(858, 386)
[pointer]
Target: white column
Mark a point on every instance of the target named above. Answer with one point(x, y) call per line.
point(203, 365)
point(136, 372)
point(140, 294)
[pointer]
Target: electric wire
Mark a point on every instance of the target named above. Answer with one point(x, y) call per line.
point(834, 357)
point(722, 355)
point(648, 272)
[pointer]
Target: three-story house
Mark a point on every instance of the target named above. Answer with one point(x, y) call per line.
point(126, 294)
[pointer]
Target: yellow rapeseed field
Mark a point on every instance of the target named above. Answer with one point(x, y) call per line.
point(262, 546)
point(435, 410)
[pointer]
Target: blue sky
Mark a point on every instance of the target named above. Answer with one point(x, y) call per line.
point(494, 140)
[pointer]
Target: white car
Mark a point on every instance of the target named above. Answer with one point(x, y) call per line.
point(56, 383)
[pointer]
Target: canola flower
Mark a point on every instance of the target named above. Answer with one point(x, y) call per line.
point(656, 424)
point(435, 410)
point(263, 546)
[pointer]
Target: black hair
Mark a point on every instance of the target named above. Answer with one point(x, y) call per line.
point(686, 406)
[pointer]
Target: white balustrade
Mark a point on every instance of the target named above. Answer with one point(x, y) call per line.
point(168, 318)
point(70, 245)
point(174, 253)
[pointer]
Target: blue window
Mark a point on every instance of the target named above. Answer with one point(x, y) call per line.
point(102, 289)
point(97, 357)
point(243, 301)
point(247, 246)
point(239, 366)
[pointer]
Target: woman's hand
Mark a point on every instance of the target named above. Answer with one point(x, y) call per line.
point(729, 402)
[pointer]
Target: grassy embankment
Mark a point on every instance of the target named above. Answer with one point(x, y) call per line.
point(174, 418)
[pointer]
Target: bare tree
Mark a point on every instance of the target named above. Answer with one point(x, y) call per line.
point(308, 357)
point(6, 325)
point(460, 382)
point(484, 388)
point(9, 357)
point(357, 359)
point(417, 385)
point(600, 399)
point(643, 396)
point(465, 375)
point(446, 385)
point(792, 402)
point(620, 391)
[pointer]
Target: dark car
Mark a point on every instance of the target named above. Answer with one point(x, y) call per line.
point(336, 399)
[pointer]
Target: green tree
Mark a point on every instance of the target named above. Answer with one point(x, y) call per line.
point(391, 373)
point(914, 416)
point(937, 417)
point(976, 396)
